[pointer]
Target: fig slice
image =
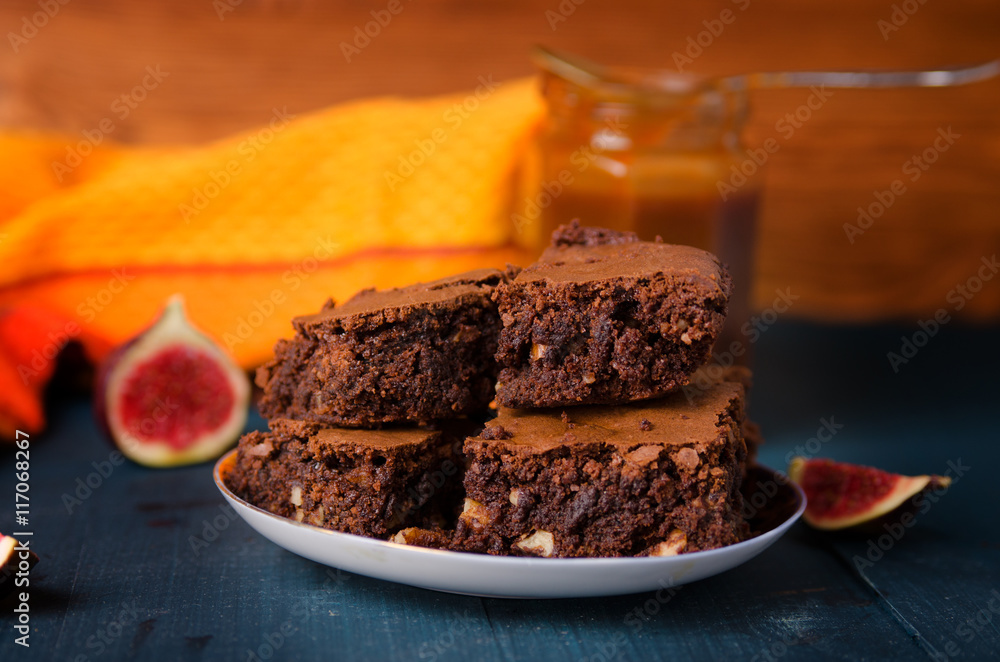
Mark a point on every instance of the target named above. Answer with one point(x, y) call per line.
point(171, 396)
point(842, 495)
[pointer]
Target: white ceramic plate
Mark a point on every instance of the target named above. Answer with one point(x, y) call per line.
point(499, 576)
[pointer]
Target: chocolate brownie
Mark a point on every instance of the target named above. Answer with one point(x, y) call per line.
point(415, 354)
point(367, 482)
point(707, 376)
point(604, 318)
point(657, 477)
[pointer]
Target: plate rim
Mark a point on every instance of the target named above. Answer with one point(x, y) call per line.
point(515, 561)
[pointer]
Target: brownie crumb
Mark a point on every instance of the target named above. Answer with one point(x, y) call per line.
point(645, 425)
point(496, 433)
point(568, 423)
point(575, 235)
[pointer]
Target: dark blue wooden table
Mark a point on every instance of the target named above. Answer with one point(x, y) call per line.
point(146, 564)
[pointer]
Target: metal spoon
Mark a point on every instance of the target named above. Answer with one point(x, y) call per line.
point(585, 72)
point(857, 79)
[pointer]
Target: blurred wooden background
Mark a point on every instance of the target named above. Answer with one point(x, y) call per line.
point(230, 62)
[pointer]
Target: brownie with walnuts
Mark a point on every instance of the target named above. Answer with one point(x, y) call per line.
point(653, 478)
point(604, 318)
point(711, 374)
point(415, 354)
point(366, 482)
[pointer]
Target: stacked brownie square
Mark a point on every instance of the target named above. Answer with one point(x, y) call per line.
point(593, 450)
point(368, 406)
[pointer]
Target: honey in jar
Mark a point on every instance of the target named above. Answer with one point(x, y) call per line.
point(653, 154)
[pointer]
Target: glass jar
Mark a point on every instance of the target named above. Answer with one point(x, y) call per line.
point(656, 155)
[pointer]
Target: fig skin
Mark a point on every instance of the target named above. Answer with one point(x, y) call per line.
point(887, 508)
point(170, 332)
point(908, 509)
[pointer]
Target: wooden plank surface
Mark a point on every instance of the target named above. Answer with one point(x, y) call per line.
point(126, 548)
point(943, 573)
point(123, 555)
point(226, 75)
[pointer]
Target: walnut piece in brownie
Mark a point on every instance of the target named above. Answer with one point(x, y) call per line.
point(415, 354)
point(658, 477)
point(604, 318)
point(367, 482)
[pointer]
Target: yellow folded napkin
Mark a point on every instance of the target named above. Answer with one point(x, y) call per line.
point(253, 229)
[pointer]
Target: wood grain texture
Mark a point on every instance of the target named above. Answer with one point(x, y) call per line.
point(127, 547)
point(126, 550)
point(942, 573)
point(226, 75)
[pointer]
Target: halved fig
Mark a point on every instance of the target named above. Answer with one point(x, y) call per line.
point(171, 396)
point(842, 495)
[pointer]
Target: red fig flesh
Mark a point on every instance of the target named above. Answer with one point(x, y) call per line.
point(171, 396)
point(842, 495)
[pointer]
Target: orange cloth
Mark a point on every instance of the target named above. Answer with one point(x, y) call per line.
point(253, 230)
